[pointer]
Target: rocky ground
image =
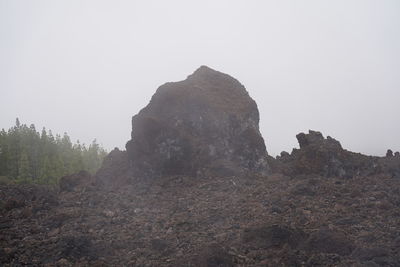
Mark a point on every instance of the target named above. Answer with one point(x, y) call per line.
point(182, 221)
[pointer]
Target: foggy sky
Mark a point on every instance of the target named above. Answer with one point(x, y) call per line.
point(86, 67)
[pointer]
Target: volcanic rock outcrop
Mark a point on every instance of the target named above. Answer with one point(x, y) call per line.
point(206, 124)
point(326, 157)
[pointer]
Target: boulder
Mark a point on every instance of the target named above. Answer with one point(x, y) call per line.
point(204, 125)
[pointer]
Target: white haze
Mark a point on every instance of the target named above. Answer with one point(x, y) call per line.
point(85, 67)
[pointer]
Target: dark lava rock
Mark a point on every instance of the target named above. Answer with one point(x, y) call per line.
point(348, 221)
point(284, 155)
point(329, 241)
point(4, 256)
point(319, 155)
point(71, 182)
point(391, 165)
point(326, 157)
point(76, 247)
point(13, 203)
point(376, 255)
point(303, 190)
point(273, 236)
point(366, 254)
point(212, 256)
point(207, 123)
point(159, 244)
point(176, 220)
point(115, 169)
point(23, 196)
point(311, 138)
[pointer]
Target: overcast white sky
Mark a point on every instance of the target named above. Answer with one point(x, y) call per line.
point(85, 67)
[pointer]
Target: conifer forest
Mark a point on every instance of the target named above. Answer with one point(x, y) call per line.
point(30, 156)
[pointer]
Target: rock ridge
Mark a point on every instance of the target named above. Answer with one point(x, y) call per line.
point(326, 157)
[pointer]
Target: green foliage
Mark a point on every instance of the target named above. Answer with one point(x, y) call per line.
point(24, 172)
point(27, 156)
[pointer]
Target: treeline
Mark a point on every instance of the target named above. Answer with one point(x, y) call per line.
point(27, 156)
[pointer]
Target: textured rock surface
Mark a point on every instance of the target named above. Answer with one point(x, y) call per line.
point(214, 221)
point(206, 124)
point(326, 157)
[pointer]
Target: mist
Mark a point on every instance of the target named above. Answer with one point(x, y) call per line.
point(86, 67)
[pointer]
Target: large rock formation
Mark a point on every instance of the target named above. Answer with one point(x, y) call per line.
point(206, 124)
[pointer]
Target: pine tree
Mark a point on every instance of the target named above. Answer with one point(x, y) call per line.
point(56, 170)
point(24, 173)
point(45, 172)
point(3, 153)
point(14, 149)
point(93, 157)
point(34, 151)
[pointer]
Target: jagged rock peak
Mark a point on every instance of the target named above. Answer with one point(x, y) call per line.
point(389, 153)
point(315, 138)
point(205, 78)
